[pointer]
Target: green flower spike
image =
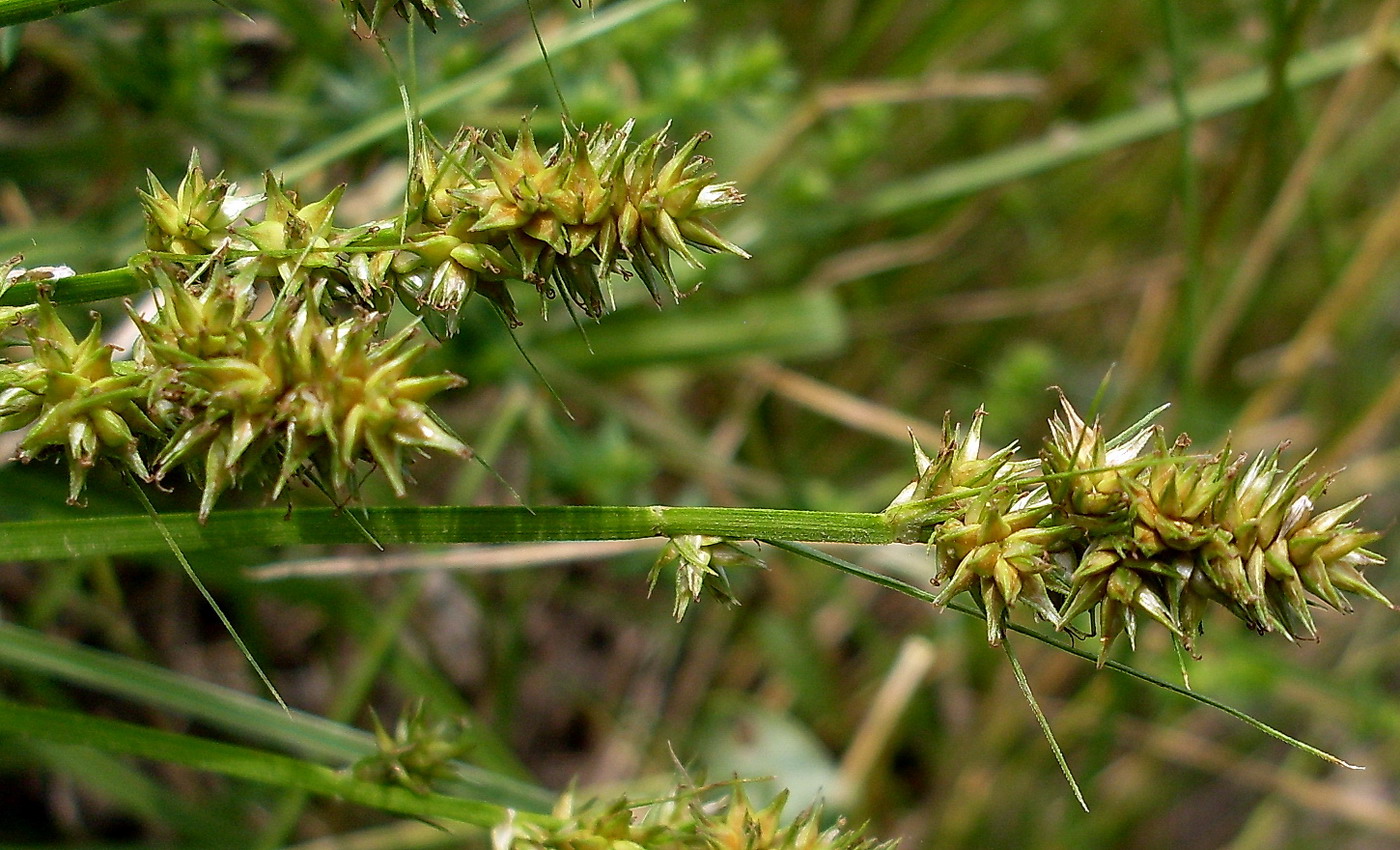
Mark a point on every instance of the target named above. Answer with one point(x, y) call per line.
point(75, 399)
point(198, 218)
point(229, 407)
point(943, 484)
point(1120, 588)
point(1168, 500)
point(1148, 569)
point(1123, 537)
point(604, 825)
point(682, 822)
point(701, 562)
point(1288, 551)
point(739, 826)
point(1157, 552)
point(352, 397)
point(418, 753)
point(440, 271)
point(232, 388)
point(564, 220)
point(201, 316)
point(990, 533)
point(294, 237)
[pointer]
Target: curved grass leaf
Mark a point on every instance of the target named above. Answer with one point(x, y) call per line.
point(232, 711)
point(69, 727)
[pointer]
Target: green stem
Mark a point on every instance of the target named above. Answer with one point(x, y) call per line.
point(22, 11)
point(92, 286)
point(128, 535)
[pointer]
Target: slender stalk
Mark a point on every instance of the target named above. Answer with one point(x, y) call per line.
point(129, 535)
point(451, 94)
point(924, 596)
point(21, 11)
point(92, 286)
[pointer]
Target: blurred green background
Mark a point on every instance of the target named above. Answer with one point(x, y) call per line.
point(949, 205)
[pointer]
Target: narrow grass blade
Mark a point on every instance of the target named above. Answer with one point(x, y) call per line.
point(924, 596)
point(68, 727)
point(1059, 147)
point(1040, 718)
point(21, 11)
point(231, 711)
point(204, 591)
point(135, 534)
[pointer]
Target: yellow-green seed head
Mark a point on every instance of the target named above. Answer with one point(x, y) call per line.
point(198, 218)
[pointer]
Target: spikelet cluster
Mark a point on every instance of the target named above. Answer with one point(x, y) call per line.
point(702, 562)
point(420, 750)
point(371, 14)
point(1132, 527)
point(223, 393)
point(564, 220)
point(483, 212)
point(682, 822)
point(288, 394)
point(73, 399)
point(269, 356)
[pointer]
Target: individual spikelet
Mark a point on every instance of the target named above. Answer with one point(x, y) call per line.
point(74, 400)
point(199, 217)
point(988, 533)
point(237, 392)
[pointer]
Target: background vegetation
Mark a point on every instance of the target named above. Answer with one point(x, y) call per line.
point(950, 204)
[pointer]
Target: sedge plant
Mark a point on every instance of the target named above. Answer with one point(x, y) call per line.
point(284, 347)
